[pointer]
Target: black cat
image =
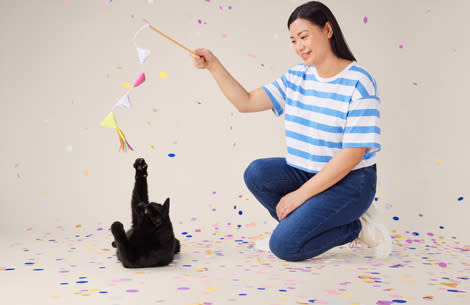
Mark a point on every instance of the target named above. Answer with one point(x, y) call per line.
point(150, 242)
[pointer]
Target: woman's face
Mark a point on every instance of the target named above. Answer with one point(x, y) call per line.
point(310, 42)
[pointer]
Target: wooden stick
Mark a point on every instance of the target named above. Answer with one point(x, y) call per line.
point(169, 38)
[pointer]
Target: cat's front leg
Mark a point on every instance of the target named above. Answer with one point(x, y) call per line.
point(140, 192)
point(140, 168)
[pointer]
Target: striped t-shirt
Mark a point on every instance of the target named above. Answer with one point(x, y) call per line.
point(324, 115)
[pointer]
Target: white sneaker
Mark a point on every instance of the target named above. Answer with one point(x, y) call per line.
point(374, 233)
point(263, 244)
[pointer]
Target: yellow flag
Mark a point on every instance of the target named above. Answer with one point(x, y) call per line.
point(110, 121)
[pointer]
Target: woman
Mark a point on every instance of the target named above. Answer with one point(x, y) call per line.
point(321, 192)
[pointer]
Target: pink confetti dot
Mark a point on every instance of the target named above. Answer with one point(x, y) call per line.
point(365, 19)
point(401, 46)
point(443, 265)
point(132, 290)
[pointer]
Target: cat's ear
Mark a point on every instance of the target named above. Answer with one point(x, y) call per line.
point(166, 205)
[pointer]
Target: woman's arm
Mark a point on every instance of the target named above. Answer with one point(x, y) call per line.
point(335, 170)
point(244, 101)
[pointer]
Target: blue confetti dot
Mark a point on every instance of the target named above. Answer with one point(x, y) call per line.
point(240, 212)
point(396, 218)
point(242, 294)
point(29, 263)
point(9, 269)
point(103, 292)
point(39, 269)
point(234, 207)
point(81, 282)
point(184, 233)
point(441, 227)
point(460, 199)
point(398, 301)
point(171, 155)
point(63, 284)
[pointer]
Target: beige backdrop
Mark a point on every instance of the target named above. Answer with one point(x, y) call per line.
point(64, 64)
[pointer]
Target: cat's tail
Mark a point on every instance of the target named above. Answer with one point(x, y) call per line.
point(177, 246)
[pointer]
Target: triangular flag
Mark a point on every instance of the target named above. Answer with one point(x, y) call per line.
point(110, 121)
point(143, 54)
point(140, 80)
point(124, 102)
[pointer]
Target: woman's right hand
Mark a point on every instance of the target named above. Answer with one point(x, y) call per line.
point(204, 59)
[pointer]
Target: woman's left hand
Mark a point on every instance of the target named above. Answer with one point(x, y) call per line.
point(288, 204)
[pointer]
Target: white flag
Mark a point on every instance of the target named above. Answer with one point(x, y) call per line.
point(124, 102)
point(143, 54)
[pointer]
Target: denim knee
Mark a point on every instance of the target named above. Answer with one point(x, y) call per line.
point(251, 174)
point(284, 248)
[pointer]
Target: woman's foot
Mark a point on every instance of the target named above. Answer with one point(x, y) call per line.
point(374, 233)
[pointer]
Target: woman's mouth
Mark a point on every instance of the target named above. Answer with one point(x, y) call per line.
point(305, 55)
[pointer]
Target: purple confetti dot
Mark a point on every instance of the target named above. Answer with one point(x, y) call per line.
point(365, 19)
point(183, 288)
point(443, 265)
point(132, 290)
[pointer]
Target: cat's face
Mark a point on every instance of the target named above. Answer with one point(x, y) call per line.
point(157, 213)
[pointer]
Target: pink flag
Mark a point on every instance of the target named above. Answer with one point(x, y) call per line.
point(140, 80)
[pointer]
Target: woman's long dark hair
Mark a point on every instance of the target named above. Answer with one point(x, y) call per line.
point(319, 14)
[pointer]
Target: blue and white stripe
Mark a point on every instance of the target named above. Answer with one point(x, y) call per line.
point(322, 116)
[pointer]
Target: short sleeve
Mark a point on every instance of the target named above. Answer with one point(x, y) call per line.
point(277, 93)
point(363, 123)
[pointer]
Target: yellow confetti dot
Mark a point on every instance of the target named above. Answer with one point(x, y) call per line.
point(439, 160)
point(54, 296)
point(85, 173)
point(149, 123)
point(140, 272)
point(119, 67)
point(78, 226)
point(230, 127)
point(89, 248)
point(163, 75)
point(151, 146)
point(127, 85)
point(94, 290)
point(44, 193)
point(18, 175)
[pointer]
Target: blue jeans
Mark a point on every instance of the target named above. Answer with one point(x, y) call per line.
point(324, 221)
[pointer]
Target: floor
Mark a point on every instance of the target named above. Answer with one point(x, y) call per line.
point(219, 264)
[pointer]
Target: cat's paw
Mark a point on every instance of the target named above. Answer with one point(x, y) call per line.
point(117, 227)
point(140, 167)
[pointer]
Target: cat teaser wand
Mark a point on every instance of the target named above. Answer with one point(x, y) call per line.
point(169, 38)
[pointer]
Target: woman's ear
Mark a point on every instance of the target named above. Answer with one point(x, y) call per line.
point(328, 29)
